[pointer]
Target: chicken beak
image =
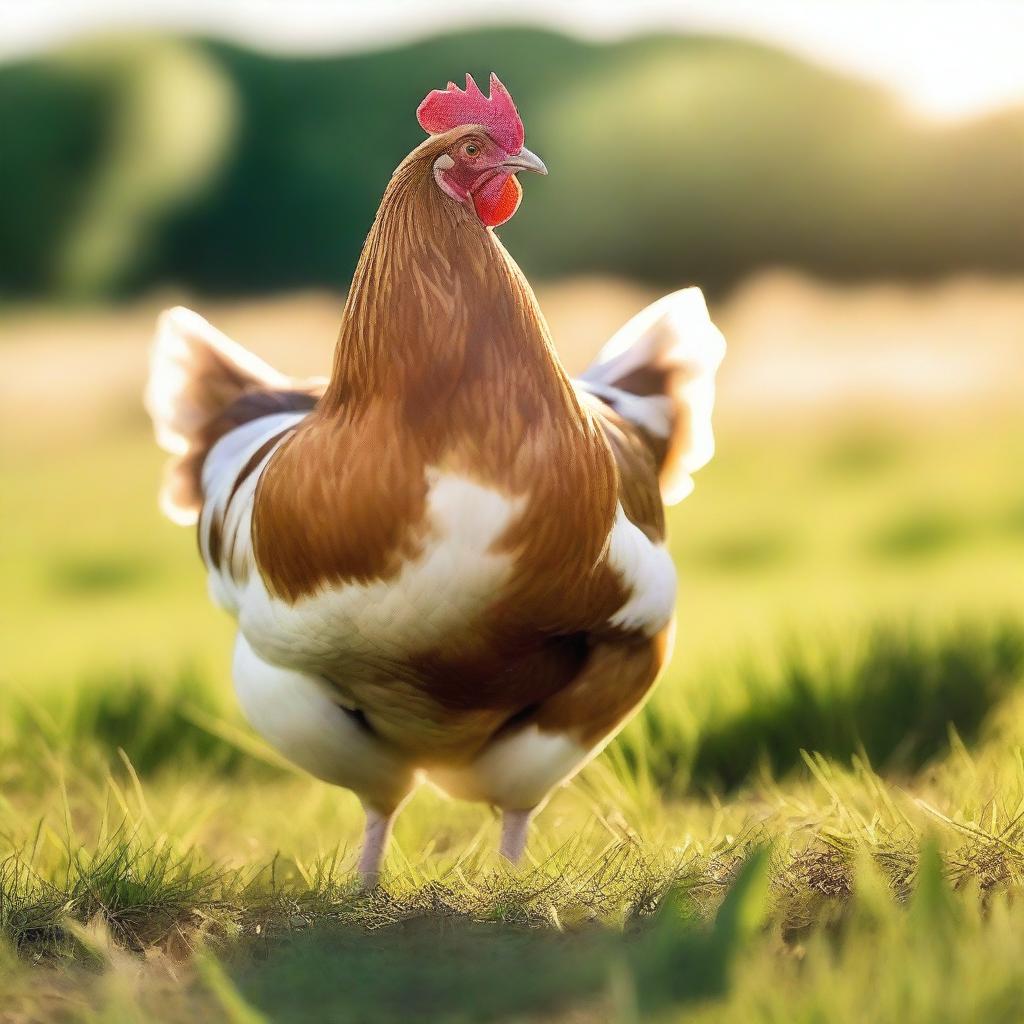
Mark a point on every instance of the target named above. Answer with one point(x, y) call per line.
point(524, 160)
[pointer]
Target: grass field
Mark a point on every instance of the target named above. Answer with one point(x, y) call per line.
point(819, 816)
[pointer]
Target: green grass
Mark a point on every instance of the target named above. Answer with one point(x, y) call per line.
point(914, 536)
point(892, 695)
point(154, 723)
point(846, 696)
point(859, 888)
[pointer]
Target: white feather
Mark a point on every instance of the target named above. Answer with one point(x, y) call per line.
point(296, 714)
point(648, 572)
point(226, 460)
point(174, 395)
point(443, 591)
point(676, 334)
point(516, 771)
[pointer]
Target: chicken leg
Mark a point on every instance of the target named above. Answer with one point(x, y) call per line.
point(514, 828)
point(375, 843)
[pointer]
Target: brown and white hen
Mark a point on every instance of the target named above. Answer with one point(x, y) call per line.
point(448, 560)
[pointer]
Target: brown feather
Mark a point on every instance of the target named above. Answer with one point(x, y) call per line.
point(444, 360)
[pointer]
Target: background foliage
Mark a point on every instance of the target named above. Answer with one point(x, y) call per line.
point(672, 160)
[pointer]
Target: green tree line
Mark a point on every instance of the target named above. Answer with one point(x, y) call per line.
point(136, 161)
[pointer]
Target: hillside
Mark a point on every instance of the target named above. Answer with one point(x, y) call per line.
point(672, 159)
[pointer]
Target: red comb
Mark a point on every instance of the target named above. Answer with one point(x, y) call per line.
point(444, 109)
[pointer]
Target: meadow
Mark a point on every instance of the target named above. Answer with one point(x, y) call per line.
point(819, 815)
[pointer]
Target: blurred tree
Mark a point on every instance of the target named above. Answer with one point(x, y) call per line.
point(52, 127)
point(168, 126)
point(672, 159)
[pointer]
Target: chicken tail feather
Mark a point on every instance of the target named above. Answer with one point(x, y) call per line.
point(201, 384)
point(658, 372)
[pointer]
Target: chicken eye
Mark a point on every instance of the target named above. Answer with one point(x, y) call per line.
point(472, 149)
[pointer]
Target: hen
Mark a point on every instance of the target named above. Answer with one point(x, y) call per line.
point(447, 561)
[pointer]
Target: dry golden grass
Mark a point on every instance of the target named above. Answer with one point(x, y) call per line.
point(799, 349)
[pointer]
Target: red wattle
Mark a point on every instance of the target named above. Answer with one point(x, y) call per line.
point(497, 199)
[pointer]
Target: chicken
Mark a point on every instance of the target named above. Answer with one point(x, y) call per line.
point(447, 561)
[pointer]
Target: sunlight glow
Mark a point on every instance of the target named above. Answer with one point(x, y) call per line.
point(947, 59)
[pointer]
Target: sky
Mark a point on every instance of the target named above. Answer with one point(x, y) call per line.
point(947, 59)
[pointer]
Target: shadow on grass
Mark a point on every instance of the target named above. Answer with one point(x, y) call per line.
point(437, 969)
point(895, 698)
point(155, 722)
